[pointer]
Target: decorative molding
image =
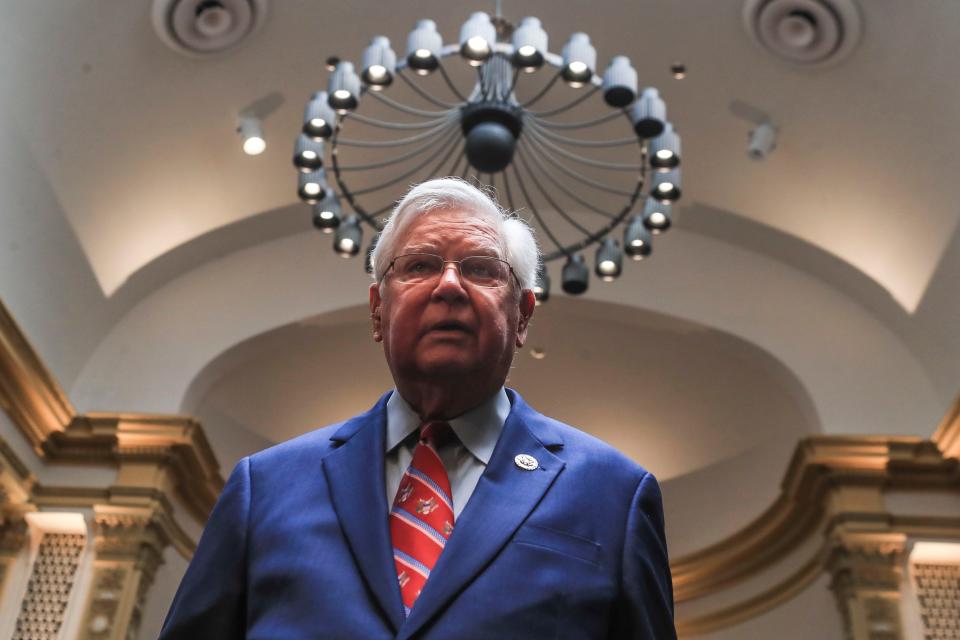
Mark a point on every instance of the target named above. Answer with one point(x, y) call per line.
point(947, 435)
point(40, 409)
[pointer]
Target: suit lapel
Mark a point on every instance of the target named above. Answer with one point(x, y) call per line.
point(502, 500)
point(355, 474)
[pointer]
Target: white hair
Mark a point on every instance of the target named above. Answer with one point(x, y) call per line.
point(517, 244)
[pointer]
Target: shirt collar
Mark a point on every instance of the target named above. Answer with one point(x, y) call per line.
point(478, 429)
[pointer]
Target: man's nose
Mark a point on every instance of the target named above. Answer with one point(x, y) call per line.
point(450, 285)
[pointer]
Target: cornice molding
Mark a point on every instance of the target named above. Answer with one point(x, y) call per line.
point(947, 435)
point(46, 418)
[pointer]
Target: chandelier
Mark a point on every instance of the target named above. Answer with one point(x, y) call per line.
point(582, 169)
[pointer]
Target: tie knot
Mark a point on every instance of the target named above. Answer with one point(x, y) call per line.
point(436, 433)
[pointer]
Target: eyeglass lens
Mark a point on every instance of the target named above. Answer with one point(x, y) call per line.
point(483, 271)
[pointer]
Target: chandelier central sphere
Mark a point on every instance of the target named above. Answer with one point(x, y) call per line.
point(544, 147)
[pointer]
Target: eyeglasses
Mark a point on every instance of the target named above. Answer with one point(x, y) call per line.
point(482, 271)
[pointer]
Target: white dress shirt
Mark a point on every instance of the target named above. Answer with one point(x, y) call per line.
point(464, 459)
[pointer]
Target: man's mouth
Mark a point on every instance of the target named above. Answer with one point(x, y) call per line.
point(450, 325)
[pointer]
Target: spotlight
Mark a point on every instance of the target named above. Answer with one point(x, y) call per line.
point(763, 140)
point(579, 60)
point(665, 149)
point(318, 117)
point(252, 133)
point(379, 63)
point(344, 88)
point(620, 83)
point(346, 240)
point(423, 47)
point(529, 43)
point(656, 216)
point(609, 263)
point(308, 154)
point(312, 187)
point(678, 70)
point(666, 186)
point(326, 213)
point(649, 114)
point(541, 288)
point(477, 36)
point(575, 275)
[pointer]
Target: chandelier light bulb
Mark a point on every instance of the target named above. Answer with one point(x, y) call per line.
point(666, 186)
point(344, 88)
point(637, 242)
point(379, 63)
point(575, 275)
point(656, 216)
point(307, 153)
point(347, 238)
point(665, 149)
point(251, 132)
point(620, 83)
point(579, 60)
point(609, 260)
point(649, 114)
point(326, 213)
point(318, 117)
point(423, 47)
point(312, 186)
point(529, 44)
point(477, 36)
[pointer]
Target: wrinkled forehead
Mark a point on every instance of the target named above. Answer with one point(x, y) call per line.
point(462, 231)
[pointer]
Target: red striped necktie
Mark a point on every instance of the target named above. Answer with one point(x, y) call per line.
point(421, 519)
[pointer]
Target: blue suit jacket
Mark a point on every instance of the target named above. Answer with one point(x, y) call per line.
point(298, 545)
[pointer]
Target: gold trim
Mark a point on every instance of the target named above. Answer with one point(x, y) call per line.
point(127, 441)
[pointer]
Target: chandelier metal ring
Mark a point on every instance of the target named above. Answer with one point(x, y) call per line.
point(530, 157)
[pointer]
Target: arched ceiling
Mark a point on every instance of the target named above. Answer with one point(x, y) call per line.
point(673, 395)
point(138, 145)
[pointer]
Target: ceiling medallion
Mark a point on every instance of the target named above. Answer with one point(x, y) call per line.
point(584, 155)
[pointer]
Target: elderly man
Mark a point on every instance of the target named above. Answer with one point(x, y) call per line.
point(451, 509)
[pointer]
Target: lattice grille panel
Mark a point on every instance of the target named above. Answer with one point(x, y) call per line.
point(938, 591)
point(48, 591)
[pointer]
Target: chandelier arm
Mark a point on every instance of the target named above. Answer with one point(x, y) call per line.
point(579, 125)
point(570, 105)
point(573, 174)
point(542, 92)
point(618, 142)
point(452, 126)
point(423, 94)
point(533, 209)
point(513, 83)
point(440, 148)
point(399, 106)
point(449, 82)
point(344, 190)
point(456, 163)
point(444, 159)
point(546, 196)
point(383, 124)
point(399, 142)
point(559, 185)
point(612, 166)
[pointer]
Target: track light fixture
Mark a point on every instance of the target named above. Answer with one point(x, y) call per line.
point(251, 132)
point(506, 112)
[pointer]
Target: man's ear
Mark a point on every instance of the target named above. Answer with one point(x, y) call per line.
point(527, 303)
point(375, 303)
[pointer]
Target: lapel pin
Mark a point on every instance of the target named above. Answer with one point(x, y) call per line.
point(526, 462)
